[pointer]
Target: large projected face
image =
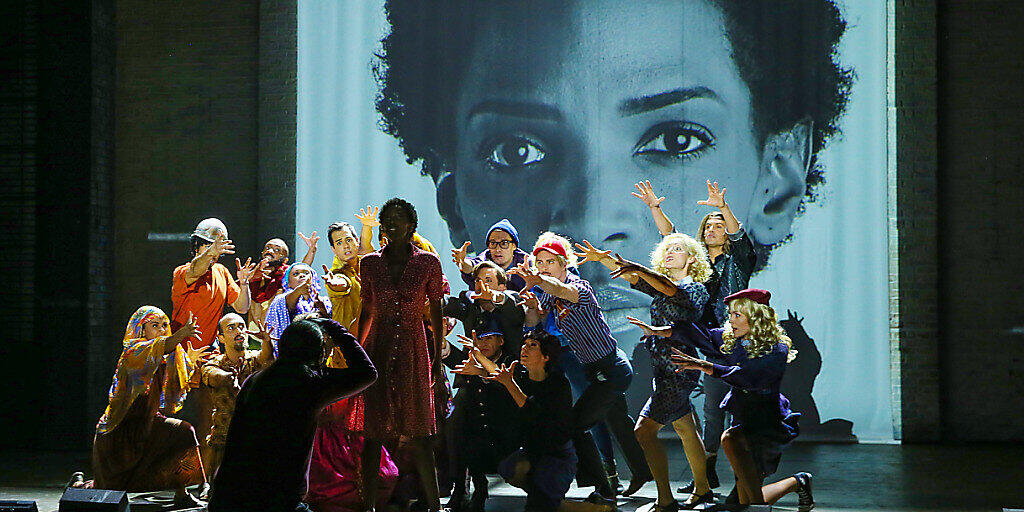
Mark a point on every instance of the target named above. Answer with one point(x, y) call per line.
point(560, 107)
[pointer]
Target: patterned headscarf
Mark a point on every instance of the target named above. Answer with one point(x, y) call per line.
point(133, 331)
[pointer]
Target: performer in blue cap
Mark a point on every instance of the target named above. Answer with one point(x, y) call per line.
point(502, 248)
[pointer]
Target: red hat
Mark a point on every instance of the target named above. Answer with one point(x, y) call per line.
point(755, 294)
point(553, 247)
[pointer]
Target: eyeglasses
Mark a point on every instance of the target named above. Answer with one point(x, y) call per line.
point(503, 244)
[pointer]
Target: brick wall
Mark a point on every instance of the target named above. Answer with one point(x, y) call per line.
point(980, 185)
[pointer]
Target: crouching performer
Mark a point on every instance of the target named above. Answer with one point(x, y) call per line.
point(137, 448)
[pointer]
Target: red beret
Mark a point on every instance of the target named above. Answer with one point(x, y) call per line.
point(755, 294)
point(552, 247)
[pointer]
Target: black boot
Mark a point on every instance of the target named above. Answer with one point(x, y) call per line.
point(613, 475)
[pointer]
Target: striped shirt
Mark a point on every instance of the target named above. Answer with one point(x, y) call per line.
point(582, 322)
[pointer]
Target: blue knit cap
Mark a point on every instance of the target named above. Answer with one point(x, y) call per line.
point(505, 226)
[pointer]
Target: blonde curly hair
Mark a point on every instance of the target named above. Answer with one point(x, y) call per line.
point(765, 331)
point(700, 271)
point(549, 236)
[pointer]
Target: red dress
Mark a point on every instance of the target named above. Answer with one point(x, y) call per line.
point(401, 401)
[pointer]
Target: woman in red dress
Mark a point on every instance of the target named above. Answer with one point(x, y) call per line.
point(396, 281)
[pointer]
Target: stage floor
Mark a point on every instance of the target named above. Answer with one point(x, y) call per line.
point(846, 477)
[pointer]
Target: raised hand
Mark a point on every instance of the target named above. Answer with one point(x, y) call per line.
point(591, 253)
point(529, 300)
point(503, 374)
point(245, 271)
point(459, 255)
point(263, 331)
point(368, 216)
point(189, 330)
point(529, 274)
point(198, 356)
point(716, 198)
point(220, 246)
point(263, 268)
point(649, 330)
point(646, 194)
point(311, 240)
point(484, 291)
point(471, 367)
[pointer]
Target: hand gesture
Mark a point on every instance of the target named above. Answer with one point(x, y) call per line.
point(687, 362)
point(470, 367)
point(627, 269)
point(336, 282)
point(483, 291)
point(246, 271)
point(649, 330)
point(459, 255)
point(311, 240)
point(715, 198)
point(529, 300)
point(220, 246)
point(263, 331)
point(189, 330)
point(369, 216)
point(646, 194)
point(263, 268)
point(503, 374)
point(528, 273)
point(198, 356)
point(591, 253)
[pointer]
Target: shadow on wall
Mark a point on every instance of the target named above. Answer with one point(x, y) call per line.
point(797, 385)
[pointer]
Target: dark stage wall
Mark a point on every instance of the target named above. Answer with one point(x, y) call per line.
point(118, 119)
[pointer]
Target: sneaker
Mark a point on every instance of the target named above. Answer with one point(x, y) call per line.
point(803, 491)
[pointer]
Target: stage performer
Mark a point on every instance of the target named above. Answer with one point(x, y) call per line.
point(755, 350)
point(265, 282)
point(303, 293)
point(731, 254)
point(203, 287)
point(137, 448)
point(578, 316)
point(334, 466)
point(676, 284)
point(502, 249)
point(224, 374)
point(546, 463)
point(396, 283)
point(485, 423)
point(266, 457)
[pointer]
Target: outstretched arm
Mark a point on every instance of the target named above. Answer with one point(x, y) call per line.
point(245, 272)
point(368, 218)
point(716, 198)
point(203, 261)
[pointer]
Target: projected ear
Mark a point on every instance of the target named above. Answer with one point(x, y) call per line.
point(448, 207)
point(781, 183)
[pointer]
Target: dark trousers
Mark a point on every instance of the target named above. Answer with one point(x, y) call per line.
point(714, 416)
point(573, 369)
point(547, 480)
point(605, 399)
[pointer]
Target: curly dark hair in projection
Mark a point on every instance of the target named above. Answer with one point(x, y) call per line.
point(793, 74)
point(407, 209)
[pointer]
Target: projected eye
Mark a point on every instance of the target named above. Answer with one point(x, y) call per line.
point(512, 152)
point(678, 140)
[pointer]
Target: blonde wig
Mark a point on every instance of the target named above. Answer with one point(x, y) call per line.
point(700, 270)
point(704, 224)
point(765, 331)
point(548, 236)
